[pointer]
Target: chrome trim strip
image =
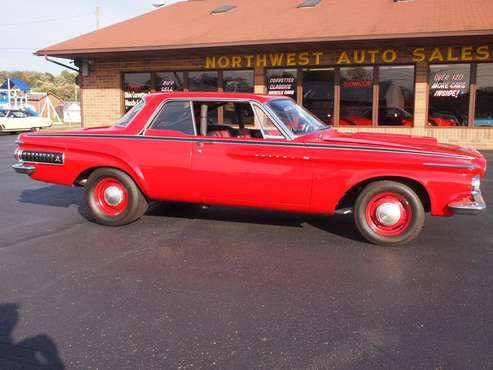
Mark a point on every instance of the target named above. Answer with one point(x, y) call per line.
point(264, 142)
point(452, 165)
point(24, 169)
point(475, 207)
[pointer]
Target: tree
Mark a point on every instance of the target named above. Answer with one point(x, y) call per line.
point(62, 85)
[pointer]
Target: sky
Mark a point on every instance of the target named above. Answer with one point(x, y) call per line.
point(30, 25)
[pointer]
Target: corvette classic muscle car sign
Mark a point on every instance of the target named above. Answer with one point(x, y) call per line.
point(256, 151)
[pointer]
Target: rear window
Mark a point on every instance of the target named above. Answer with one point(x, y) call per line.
point(130, 115)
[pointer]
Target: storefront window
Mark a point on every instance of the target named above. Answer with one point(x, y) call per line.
point(356, 96)
point(484, 96)
point(135, 86)
point(449, 95)
point(318, 93)
point(169, 81)
point(282, 82)
point(396, 96)
point(238, 81)
point(203, 81)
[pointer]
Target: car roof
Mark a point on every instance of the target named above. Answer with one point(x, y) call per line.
point(215, 95)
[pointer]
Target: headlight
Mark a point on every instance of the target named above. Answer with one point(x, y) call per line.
point(476, 184)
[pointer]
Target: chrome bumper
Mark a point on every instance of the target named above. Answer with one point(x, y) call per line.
point(469, 208)
point(24, 168)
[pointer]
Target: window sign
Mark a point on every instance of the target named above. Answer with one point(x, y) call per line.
point(169, 81)
point(449, 95)
point(356, 96)
point(282, 82)
point(136, 86)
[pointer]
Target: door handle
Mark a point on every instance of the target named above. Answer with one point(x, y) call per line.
point(201, 145)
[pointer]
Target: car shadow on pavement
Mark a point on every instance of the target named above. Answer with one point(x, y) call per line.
point(53, 195)
point(38, 352)
point(338, 225)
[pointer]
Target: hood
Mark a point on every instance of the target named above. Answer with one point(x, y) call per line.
point(398, 142)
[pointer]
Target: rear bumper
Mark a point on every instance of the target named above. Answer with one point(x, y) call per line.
point(24, 168)
point(475, 207)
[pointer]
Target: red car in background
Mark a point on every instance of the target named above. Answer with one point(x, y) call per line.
point(256, 151)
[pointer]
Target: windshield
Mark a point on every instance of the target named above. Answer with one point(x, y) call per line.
point(130, 115)
point(295, 118)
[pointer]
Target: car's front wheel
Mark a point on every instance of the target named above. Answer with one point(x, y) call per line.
point(113, 198)
point(389, 213)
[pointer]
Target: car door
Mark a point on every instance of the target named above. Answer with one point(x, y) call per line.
point(165, 155)
point(269, 172)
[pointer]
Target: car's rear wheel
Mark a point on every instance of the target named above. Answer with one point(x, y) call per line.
point(113, 198)
point(389, 213)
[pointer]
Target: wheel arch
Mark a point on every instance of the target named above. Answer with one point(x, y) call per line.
point(350, 196)
point(81, 179)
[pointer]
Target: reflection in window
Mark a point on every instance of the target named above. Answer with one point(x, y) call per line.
point(396, 100)
point(169, 81)
point(175, 116)
point(318, 93)
point(135, 86)
point(238, 81)
point(484, 97)
point(203, 81)
point(264, 123)
point(282, 82)
point(449, 95)
point(356, 96)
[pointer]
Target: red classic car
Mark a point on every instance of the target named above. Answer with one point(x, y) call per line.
point(256, 151)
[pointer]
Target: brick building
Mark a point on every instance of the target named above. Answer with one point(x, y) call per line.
point(421, 67)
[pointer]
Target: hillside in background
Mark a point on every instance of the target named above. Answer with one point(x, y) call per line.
point(62, 85)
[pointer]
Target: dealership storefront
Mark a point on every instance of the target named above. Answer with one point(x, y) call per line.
point(441, 87)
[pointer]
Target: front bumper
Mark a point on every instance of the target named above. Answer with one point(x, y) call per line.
point(24, 168)
point(475, 207)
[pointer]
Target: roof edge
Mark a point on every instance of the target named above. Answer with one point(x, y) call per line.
point(75, 52)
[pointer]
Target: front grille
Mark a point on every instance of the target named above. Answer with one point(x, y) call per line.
point(41, 157)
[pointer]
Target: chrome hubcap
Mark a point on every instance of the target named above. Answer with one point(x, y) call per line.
point(388, 214)
point(113, 195)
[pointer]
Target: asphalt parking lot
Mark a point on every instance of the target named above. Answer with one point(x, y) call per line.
point(222, 288)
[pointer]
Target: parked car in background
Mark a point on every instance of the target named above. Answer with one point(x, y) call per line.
point(483, 121)
point(17, 120)
point(386, 117)
point(442, 119)
point(256, 151)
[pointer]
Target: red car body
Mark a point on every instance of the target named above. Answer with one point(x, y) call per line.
point(311, 173)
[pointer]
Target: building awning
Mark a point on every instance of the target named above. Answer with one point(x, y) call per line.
point(190, 24)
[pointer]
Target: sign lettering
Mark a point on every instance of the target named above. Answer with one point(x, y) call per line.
point(352, 57)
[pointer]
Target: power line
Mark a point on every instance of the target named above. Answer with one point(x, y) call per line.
point(46, 20)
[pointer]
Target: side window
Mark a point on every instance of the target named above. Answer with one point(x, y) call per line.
point(265, 124)
point(233, 119)
point(175, 116)
point(221, 118)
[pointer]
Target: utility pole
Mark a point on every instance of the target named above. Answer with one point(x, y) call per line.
point(98, 14)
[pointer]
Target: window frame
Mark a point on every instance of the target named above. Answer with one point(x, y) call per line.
point(252, 102)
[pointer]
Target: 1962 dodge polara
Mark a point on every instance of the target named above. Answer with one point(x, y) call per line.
point(256, 151)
